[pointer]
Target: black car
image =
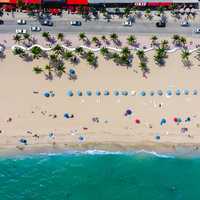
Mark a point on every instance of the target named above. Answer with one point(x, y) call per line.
point(1, 22)
point(47, 23)
point(75, 23)
point(160, 24)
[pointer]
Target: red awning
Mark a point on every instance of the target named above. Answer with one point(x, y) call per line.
point(77, 2)
point(157, 4)
point(32, 1)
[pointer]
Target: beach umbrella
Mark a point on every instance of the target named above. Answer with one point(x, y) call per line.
point(169, 93)
point(151, 93)
point(195, 92)
point(137, 121)
point(142, 93)
point(124, 93)
point(79, 93)
point(70, 93)
point(188, 119)
point(46, 94)
point(178, 92)
point(72, 71)
point(133, 93)
point(175, 119)
point(81, 138)
point(106, 93)
point(128, 112)
point(163, 121)
point(179, 120)
point(116, 93)
point(98, 93)
point(66, 115)
point(88, 93)
point(157, 137)
point(23, 141)
point(186, 91)
point(159, 92)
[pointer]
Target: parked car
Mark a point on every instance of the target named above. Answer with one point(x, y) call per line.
point(21, 31)
point(161, 24)
point(1, 21)
point(197, 30)
point(127, 23)
point(47, 23)
point(35, 28)
point(75, 23)
point(21, 21)
point(185, 23)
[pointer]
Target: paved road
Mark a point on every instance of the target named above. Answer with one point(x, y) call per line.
point(103, 27)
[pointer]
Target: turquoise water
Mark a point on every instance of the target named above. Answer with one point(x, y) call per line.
point(99, 177)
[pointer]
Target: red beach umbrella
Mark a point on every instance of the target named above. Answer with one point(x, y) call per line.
point(175, 119)
point(137, 121)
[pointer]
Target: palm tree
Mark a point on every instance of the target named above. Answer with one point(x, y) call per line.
point(183, 40)
point(103, 37)
point(104, 51)
point(60, 36)
point(91, 58)
point(38, 70)
point(140, 54)
point(125, 51)
point(17, 38)
point(79, 50)
point(82, 36)
point(60, 69)
point(53, 58)
point(154, 39)
point(67, 55)
point(18, 51)
point(176, 39)
point(26, 36)
point(46, 35)
point(58, 50)
point(131, 40)
point(114, 37)
point(49, 70)
point(164, 44)
point(95, 40)
point(143, 66)
point(185, 55)
point(36, 51)
point(161, 53)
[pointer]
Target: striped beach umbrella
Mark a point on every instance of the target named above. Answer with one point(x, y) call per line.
point(70, 93)
point(116, 93)
point(88, 93)
point(106, 93)
point(98, 93)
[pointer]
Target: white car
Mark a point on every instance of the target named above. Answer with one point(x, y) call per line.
point(21, 21)
point(35, 28)
point(185, 23)
point(127, 23)
point(197, 30)
point(21, 31)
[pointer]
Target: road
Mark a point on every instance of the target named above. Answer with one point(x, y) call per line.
point(103, 27)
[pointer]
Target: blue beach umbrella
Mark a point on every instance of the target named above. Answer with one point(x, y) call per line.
point(70, 93)
point(186, 92)
point(159, 92)
point(88, 93)
point(178, 92)
point(98, 93)
point(163, 121)
point(151, 93)
point(66, 115)
point(142, 93)
point(169, 93)
point(124, 93)
point(106, 93)
point(79, 93)
point(72, 71)
point(116, 93)
point(195, 92)
point(46, 94)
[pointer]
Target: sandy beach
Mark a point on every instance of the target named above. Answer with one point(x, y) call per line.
point(26, 113)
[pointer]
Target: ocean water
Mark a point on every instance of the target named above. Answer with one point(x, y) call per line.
point(100, 176)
